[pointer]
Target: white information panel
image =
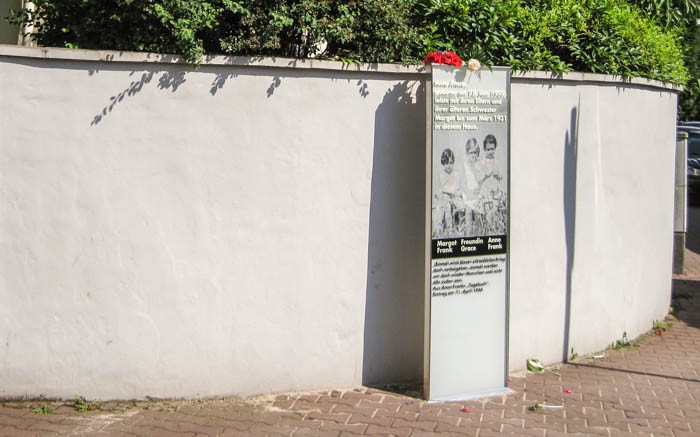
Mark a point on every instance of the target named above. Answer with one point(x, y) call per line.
point(468, 181)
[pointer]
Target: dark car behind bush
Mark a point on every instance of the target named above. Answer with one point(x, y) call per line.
point(693, 161)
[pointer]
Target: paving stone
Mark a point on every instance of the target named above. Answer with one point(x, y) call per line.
point(318, 433)
point(328, 417)
point(10, 431)
point(304, 405)
point(379, 420)
point(358, 428)
point(423, 425)
point(386, 405)
point(283, 403)
point(508, 429)
point(386, 431)
point(236, 433)
point(446, 419)
point(446, 427)
point(231, 424)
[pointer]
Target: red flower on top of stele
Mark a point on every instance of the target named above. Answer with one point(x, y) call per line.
point(443, 58)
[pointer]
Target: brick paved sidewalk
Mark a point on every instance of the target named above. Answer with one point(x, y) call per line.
point(652, 388)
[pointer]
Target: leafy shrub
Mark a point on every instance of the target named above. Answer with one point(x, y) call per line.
point(622, 41)
point(670, 12)
point(605, 36)
point(168, 26)
point(295, 28)
point(324, 28)
point(689, 101)
point(481, 29)
point(373, 30)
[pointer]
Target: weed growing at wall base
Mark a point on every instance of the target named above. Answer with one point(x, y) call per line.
point(81, 405)
point(622, 343)
point(43, 409)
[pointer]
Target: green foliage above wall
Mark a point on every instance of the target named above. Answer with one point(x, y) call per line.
point(619, 37)
point(361, 30)
point(689, 107)
point(671, 12)
point(600, 36)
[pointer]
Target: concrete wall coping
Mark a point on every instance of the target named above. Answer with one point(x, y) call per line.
point(317, 64)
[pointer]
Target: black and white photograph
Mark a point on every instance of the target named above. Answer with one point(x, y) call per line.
point(470, 157)
point(470, 197)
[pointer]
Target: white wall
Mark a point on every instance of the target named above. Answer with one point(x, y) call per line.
point(592, 213)
point(256, 226)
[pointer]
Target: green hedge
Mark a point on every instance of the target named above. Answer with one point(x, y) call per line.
point(361, 30)
point(689, 107)
point(601, 36)
point(604, 36)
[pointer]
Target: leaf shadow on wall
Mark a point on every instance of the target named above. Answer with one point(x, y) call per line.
point(394, 306)
point(169, 77)
point(173, 75)
point(232, 61)
point(167, 80)
point(226, 73)
point(238, 61)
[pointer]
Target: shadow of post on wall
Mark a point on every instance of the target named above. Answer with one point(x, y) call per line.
point(393, 334)
point(569, 200)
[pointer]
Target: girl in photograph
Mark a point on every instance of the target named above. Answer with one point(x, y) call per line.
point(449, 211)
point(471, 185)
point(492, 189)
point(493, 172)
point(473, 172)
